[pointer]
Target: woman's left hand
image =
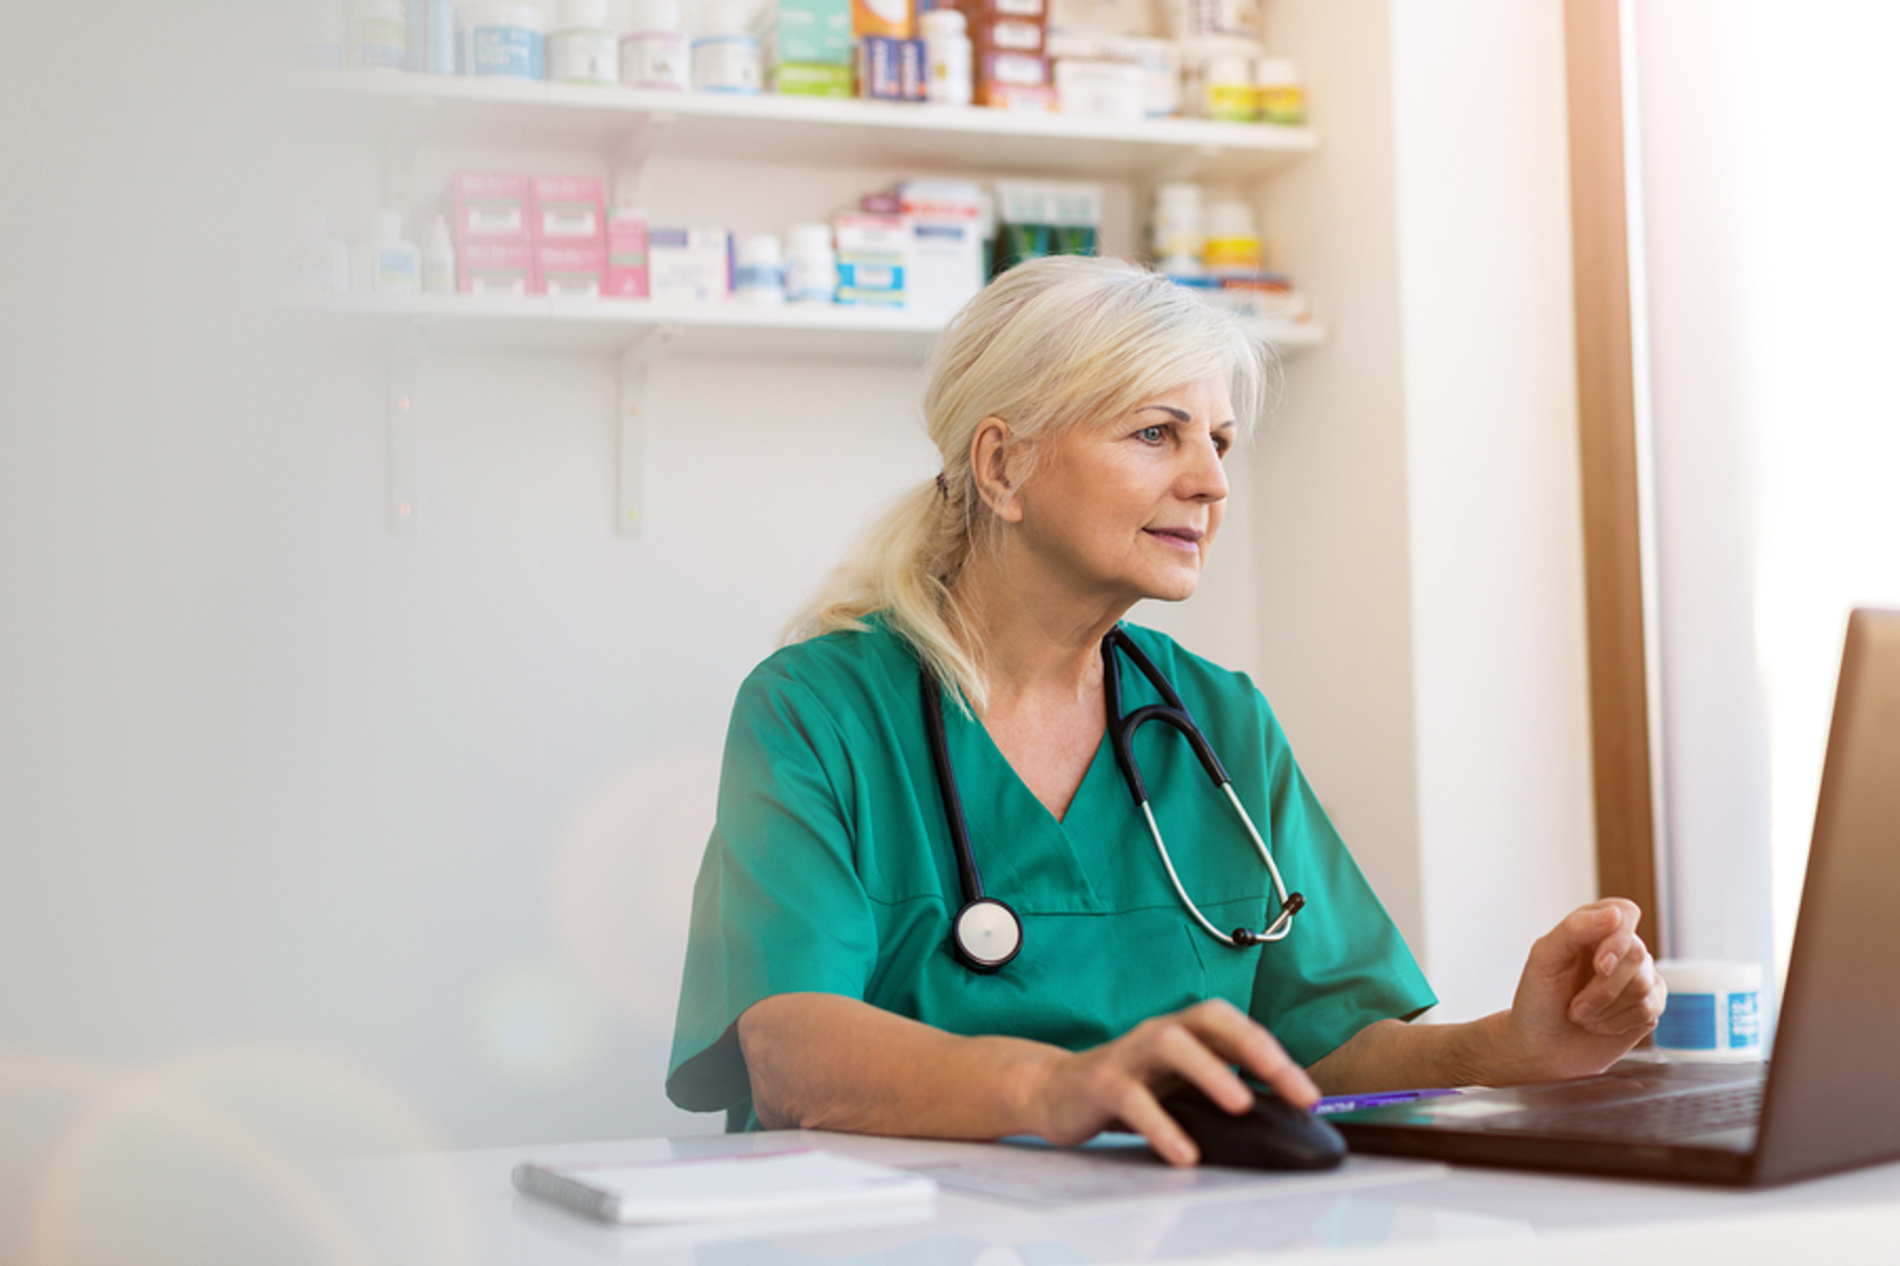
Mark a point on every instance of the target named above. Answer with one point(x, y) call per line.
point(1589, 993)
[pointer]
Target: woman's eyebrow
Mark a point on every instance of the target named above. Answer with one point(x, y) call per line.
point(1179, 415)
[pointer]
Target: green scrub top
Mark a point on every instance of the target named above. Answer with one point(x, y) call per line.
point(831, 870)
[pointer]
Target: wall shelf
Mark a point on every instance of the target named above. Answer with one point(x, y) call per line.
point(801, 131)
point(620, 326)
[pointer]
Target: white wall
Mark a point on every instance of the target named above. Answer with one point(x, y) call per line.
point(1506, 818)
point(366, 838)
point(1422, 579)
point(1771, 263)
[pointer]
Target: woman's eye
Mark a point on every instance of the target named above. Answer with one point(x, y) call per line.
point(1152, 434)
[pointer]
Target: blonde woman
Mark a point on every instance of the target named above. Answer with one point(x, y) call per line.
point(855, 965)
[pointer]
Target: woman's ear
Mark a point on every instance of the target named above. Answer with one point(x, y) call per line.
point(991, 452)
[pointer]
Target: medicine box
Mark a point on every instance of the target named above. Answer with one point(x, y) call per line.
point(490, 207)
point(873, 254)
point(890, 18)
point(815, 32)
point(626, 254)
point(496, 268)
point(1021, 70)
point(1101, 89)
point(570, 270)
point(945, 252)
point(810, 79)
point(890, 69)
point(693, 265)
point(979, 11)
point(568, 209)
point(1006, 35)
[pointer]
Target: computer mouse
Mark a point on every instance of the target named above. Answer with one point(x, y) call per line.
point(1273, 1134)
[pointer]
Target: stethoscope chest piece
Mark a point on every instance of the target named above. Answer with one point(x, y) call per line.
point(987, 934)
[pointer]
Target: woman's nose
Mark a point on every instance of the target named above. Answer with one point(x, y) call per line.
point(1205, 479)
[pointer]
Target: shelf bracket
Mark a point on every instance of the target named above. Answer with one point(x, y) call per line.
point(628, 161)
point(401, 385)
point(631, 428)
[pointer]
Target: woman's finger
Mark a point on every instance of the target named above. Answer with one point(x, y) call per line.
point(1603, 993)
point(1140, 1111)
point(1240, 1039)
point(1639, 1009)
point(1177, 1049)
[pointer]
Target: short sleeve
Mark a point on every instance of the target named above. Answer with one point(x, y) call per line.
point(778, 906)
point(1345, 965)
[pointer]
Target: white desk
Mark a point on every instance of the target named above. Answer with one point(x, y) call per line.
point(460, 1207)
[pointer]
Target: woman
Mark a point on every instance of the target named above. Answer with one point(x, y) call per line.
point(1082, 409)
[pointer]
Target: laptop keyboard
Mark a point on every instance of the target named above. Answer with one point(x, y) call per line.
point(1648, 1120)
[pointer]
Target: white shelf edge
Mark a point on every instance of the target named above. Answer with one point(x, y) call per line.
point(561, 322)
point(1162, 135)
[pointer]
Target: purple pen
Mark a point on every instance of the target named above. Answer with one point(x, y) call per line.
point(1353, 1103)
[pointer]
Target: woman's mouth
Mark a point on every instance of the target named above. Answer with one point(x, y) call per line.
point(1179, 538)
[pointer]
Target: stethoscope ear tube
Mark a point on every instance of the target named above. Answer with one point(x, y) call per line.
point(986, 934)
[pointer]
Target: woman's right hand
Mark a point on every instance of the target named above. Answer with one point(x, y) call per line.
point(1118, 1084)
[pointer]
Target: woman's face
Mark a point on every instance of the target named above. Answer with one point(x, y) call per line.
point(1127, 508)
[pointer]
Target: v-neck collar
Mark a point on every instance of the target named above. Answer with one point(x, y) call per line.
point(1026, 856)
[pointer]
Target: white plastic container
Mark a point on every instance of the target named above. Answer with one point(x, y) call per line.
point(654, 53)
point(726, 58)
point(377, 36)
point(1233, 245)
point(1281, 97)
point(758, 269)
point(1713, 1013)
point(584, 49)
point(503, 40)
point(438, 259)
point(1177, 229)
point(319, 263)
point(947, 57)
point(385, 263)
point(811, 267)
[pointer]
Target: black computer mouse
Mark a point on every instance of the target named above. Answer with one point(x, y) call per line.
point(1273, 1134)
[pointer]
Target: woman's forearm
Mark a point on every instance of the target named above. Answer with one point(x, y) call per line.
point(826, 1062)
point(1393, 1055)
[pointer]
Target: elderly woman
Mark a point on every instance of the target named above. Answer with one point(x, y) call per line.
point(854, 965)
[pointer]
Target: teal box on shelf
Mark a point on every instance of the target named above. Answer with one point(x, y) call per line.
point(815, 32)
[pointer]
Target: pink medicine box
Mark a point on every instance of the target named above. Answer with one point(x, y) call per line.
point(568, 209)
point(497, 268)
point(570, 271)
point(490, 206)
point(626, 254)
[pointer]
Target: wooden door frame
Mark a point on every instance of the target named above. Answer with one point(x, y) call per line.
point(1620, 726)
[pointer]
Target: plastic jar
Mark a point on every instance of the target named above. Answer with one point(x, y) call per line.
point(377, 35)
point(585, 49)
point(654, 52)
point(811, 269)
point(947, 57)
point(1227, 88)
point(1176, 228)
point(726, 57)
point(385, 263)
point(1278, 94)
point(758, 269)
point(1233, 246)
point(503, 40)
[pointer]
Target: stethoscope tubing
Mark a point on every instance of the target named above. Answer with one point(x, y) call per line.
point(1172, 712)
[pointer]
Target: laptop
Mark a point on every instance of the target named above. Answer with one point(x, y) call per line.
point(1829, 1099)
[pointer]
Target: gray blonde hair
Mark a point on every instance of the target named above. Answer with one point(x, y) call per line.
point(1050, 345)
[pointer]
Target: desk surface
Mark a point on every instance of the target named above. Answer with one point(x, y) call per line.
point(461, 1207)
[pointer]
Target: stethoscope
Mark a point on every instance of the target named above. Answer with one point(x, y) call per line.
point(986, 933)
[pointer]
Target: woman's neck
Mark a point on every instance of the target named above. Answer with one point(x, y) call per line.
point(1032, 637)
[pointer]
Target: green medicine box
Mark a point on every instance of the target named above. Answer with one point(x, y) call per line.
point(809, 32)
point(806, 79)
